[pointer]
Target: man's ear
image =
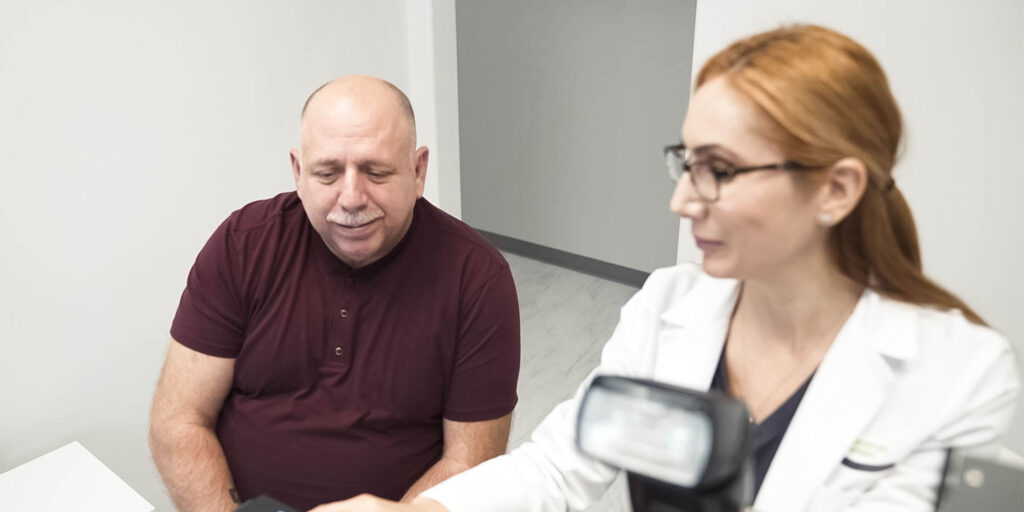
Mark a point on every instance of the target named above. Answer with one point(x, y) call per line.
point(296, 159)
point(422, 157)
point(842, 190)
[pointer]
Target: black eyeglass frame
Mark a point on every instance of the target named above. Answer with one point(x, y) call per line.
point(678, 151)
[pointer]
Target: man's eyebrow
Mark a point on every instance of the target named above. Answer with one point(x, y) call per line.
point(334, 163)
point(327, 162)
point(374, 164)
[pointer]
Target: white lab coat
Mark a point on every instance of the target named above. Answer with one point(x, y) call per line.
point(899, 384)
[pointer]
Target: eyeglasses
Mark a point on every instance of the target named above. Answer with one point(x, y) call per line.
point(706, 175)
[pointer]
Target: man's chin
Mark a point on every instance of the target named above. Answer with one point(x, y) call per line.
point(355, 253)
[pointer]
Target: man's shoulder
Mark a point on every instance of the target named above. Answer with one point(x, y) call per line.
point(275, 211)
point(455, 236)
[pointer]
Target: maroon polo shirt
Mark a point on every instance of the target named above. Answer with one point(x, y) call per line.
point(342, 375)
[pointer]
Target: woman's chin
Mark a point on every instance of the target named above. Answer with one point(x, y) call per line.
point(717, 268)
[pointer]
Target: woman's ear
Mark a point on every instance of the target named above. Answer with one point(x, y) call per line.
point(841, 191)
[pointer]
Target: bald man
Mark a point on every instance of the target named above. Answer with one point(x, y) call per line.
point(345, 338)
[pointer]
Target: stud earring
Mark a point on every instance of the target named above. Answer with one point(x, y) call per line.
point(825, 218)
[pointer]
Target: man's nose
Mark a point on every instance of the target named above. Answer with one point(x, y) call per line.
point(352, 195)
point(685, 201)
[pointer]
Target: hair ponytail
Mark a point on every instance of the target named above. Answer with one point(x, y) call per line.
point(877, 245)
point(825, 98)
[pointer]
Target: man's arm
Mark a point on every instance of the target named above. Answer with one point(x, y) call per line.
point(182, 438)
point(466, 444)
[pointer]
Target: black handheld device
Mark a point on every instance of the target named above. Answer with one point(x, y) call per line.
point(264, 504)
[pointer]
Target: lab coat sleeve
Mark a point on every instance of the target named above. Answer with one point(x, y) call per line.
point(547, 473)
point(990, 383)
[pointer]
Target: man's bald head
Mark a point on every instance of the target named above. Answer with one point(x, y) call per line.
point(361, 88)
point(359, 173)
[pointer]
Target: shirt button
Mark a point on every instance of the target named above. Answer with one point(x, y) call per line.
point(344, 313)
point(349, 280)
point(338, 351)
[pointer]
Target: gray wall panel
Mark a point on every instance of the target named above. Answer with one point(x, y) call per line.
point(563, 110)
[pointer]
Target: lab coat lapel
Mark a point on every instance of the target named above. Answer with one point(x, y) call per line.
point(691, 339)
point(845, 394)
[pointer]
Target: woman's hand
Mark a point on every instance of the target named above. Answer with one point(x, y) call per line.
point(370, 503)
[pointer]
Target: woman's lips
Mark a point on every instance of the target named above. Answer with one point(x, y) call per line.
point(705, 244)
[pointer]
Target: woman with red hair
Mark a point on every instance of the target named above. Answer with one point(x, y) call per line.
point(810, 304)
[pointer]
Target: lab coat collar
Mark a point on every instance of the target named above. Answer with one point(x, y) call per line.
point(890, 325)
point(690, 343)
point(709, 299)
point(844, 395)
point(846, 392)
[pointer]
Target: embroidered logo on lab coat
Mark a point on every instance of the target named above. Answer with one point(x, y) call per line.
point(868, 456)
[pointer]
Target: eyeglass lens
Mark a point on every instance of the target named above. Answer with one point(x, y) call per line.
point(701, 176)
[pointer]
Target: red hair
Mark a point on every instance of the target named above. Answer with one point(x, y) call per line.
point(825, 97)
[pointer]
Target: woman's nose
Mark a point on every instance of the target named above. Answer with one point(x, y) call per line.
point(685, 202)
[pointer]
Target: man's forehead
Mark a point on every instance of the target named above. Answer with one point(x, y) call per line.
point(362, 89)
point(361, 84)
point(354, 115)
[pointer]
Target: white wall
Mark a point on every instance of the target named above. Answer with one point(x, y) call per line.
point(433, 91)
point(957, 70)
point(128, 132)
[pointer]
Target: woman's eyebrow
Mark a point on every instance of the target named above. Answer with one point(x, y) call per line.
point(714, 148)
